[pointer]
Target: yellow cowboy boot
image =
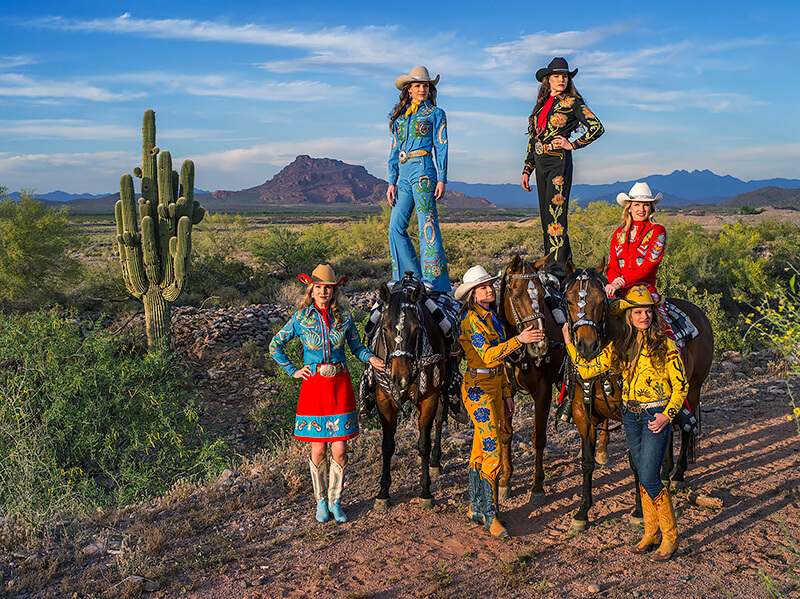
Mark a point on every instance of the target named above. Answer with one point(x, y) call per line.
point(669, 528)
point(650, 516)
point(475, 513)
point(490, 509)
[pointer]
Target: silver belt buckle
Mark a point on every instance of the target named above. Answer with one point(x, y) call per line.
point(634, 406)
point(327, 370)
point(403, 157)
point(538, 147)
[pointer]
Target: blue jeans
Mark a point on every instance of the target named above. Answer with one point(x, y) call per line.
point(647, 448)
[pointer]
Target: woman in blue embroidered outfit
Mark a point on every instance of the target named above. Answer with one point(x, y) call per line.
point(485, 391)
point(654, 389)
point(326, 409)
point(419, 132)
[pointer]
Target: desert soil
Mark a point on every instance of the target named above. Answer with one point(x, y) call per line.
point(253, 534)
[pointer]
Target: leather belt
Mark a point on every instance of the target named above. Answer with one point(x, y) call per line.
point(495, 370)
point(404, 156)
point(637, 407)
point(330, 370)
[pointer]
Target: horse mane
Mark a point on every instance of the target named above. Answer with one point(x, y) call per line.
point(592, 274)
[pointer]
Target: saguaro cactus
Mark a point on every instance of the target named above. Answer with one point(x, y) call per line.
point(155, 262)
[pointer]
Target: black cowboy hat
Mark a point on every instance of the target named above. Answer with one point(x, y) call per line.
point(557, 65)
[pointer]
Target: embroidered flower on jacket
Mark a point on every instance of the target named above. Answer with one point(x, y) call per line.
point(482, 415)
point(558, 120)
point(588, 113)
point(555, 229)
point(478, 340)
point(566, 102)
point(474, 393)
point(489, 444)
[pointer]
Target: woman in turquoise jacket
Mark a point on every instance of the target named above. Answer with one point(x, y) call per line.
point(417, 178)
point(326, 409)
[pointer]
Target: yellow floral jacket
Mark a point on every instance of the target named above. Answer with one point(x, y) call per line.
point(483, 339)
point(648, 383)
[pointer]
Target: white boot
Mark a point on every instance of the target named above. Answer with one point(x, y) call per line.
point(319, 480)
point(335, 485)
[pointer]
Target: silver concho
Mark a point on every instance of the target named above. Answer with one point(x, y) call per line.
point(403, 156)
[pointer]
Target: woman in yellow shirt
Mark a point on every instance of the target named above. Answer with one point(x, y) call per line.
point(485, 389)
point(654, 389)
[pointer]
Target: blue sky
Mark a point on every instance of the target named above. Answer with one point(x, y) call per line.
point(242, 88)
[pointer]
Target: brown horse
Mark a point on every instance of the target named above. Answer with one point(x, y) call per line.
point(412, 344)
point(600, 399)
point(536, 369)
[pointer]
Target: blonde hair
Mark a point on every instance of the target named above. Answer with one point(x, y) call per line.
point(338, 302)
point(627, 218)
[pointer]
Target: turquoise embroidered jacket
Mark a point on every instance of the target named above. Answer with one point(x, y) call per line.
point(428, 131)
point(321, 344)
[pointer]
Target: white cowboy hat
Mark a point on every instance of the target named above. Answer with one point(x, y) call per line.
point(640, 192)
point(417, 74)
point(474, 277)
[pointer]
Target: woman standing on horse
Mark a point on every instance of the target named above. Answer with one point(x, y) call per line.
point(419, 134)
point(486, 391)
point(637, 248)
point(654, 389)
point(326, 409)
point(558, 112)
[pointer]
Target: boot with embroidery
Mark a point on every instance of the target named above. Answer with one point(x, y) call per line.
point(650, 515)
point(669, 527)
point(319, 480)
point(335, 486)
point(490, 509)
point(475, 513)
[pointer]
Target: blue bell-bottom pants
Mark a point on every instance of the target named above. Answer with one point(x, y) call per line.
point(415, 189)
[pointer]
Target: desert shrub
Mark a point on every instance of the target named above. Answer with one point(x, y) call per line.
point(289, 251)
point(220, 234)
point(37, 246)
point(590, 231)
point(369, 237)
point(88, 417)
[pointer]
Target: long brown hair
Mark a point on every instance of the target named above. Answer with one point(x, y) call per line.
point(405, 102)
point(338, 303)
point(541, 98)
point(654, 338)
point(627, 218)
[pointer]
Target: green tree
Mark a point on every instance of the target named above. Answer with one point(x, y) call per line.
point(37, 248)
point(290, 251)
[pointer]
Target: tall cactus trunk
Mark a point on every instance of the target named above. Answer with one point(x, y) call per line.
point(157, 319)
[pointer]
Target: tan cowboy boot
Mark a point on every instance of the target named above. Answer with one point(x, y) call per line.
point(669, 528)
point(490, 509)
point(319, 480)
point(650, 516)
point(335, 486)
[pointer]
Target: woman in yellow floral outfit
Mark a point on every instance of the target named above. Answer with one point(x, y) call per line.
point(558, 112)
point(654, 389)
point(485, 389)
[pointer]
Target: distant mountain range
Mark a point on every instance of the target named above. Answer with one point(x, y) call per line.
point(327, 182)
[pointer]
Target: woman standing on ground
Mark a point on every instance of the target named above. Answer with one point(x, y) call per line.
point(558, 112)
point(486, 391)
point(419, 134)
point(326, 409)
point(654, 389)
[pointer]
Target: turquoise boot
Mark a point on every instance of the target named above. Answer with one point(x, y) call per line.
point(335, 486)
point(319, 480)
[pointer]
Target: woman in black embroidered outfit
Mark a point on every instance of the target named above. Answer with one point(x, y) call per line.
point(558, 112)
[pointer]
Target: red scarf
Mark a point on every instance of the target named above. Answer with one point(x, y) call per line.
point(326, 315)
point(542, 120)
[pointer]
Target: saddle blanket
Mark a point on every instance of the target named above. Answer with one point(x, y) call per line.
point(682, 325)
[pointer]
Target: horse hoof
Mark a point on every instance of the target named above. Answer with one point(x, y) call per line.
point(381, 505)
point(435, 470)
point(601, 459)
point(537, 498)
point(677, 485)
point(503, 493)
point(577, 526)
point(426, 504)
point(635, 523)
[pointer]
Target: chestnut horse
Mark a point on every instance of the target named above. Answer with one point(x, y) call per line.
point(412, 344)
point(536, 369)
point(599, 399)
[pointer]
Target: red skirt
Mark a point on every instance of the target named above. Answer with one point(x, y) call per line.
point(326, 409)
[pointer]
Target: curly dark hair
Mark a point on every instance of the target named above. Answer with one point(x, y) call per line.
point(541, 98)
point(654, 337)
point(405, 102)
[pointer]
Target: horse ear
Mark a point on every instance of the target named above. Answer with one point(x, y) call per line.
point(570, 267)
point(602, 267)
point(539, 264)
point(514, 264)
point(384, 293)
point(416, 294)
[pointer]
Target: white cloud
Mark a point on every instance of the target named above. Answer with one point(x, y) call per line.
point(10, 62)
point(64, 129)
point(22, 86)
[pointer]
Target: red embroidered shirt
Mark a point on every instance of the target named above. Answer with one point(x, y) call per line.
point(635, 256)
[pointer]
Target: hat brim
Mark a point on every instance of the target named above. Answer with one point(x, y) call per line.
point(317, 281)
point(624, 197)
point(462, 291)
point(542, 73)
point(403, 80)
point(620, 305)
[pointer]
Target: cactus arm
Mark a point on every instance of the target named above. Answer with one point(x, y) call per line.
point(129, 240)
point(123, 252)
point(181, 248)
point(150, 249)
point(166, 224)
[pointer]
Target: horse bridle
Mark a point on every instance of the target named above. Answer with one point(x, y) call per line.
point(533, 294)
point(399, 338)
point(583, 279)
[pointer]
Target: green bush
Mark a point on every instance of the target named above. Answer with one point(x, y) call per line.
point(88, 417)
point(290, 251)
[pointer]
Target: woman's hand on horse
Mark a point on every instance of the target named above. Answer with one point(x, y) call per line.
point(303, 373)
point(526, 185)
point(567, 334)
point(509, 407)
point(658, 423)
point(611, 289)
point(377, 363)
point(531, 335)
point(439, 193)
point(391, 194)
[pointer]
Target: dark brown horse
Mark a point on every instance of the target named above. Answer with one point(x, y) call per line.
point(411, 343)
point(600, 399)
point(536, 369)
